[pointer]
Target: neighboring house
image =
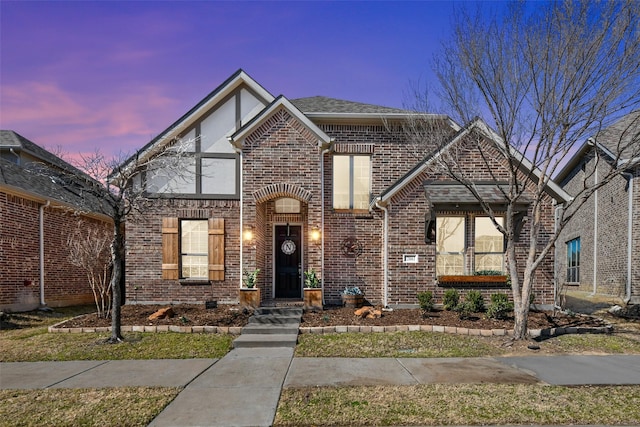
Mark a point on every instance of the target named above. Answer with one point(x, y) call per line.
point(314, 183)
point(41, 204)
point(599, 249)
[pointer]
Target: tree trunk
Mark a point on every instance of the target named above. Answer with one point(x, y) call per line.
point(117, 253)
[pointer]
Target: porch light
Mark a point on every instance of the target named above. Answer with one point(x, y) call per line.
point(315, 234)
point(248, 233)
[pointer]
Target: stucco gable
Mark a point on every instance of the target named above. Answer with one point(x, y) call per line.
point(239, 79)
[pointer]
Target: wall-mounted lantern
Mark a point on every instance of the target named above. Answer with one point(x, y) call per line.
point(315, 234)
point(247, 234)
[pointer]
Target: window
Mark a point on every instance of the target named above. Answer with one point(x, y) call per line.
point(351, 182)
point(287, 205)
point(573, 260)
point(193, 249)
point(451, 235)
point(489, 245)
point(450, 245)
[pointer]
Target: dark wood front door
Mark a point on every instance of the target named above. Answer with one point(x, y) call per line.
point(288, 254)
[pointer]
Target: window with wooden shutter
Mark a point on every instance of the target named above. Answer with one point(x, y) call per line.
point(216, 249)
point(193, 249)
point(170, 248)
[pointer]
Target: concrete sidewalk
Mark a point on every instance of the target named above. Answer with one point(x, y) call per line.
point(255, 368)
point(216, 391)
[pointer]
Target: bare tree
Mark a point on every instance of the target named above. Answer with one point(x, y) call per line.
point(89, 249)
point(546, 80)
point(118, 188)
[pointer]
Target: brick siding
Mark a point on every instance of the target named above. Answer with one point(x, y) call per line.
point(64, 284)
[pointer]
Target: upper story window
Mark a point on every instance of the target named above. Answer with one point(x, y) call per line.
point(573, 260)
point(351, 182)
point(208, 165)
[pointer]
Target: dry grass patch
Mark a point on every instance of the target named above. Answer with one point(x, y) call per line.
point(434, 344)
point(33, 345)
point(127, 406)
point(490, 404)
point(393, 344)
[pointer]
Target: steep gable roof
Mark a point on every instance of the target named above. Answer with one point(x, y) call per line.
point(552, 188)
point(280, 102)
point(620, 141)
point(239, 78)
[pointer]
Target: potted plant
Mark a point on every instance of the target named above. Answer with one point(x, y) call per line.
point(250, 294)
point(312, 291)
point(352, 297)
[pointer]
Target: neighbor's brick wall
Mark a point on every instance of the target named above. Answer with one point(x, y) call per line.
point(635, 255)
point(65, 284)
point(143, 272)
point(612, 226)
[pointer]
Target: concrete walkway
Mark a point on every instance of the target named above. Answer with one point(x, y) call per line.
point(217, 392)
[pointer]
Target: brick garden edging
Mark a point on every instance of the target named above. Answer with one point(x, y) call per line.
point(233, 330)
point(237, 330)
point(534, 333)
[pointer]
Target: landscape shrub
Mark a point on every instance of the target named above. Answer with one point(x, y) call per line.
point(475, 301)
point(500, 306)
point(425, 299)
point(450, 299)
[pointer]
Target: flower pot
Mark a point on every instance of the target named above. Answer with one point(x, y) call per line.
point(249, 297)
point(353, 301)
point(312, 299)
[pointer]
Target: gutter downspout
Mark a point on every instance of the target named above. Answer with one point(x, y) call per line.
point(43, 304)
point(385, 260)
point(555, 261)
point(239, 151)
point(627, 297)
point(595, 234)
point(322, 153)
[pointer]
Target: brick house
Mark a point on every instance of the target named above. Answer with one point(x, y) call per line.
point(599, 249)
point(39, 208)
point(314, 183)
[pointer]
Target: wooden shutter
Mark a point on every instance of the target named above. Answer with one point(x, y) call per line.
point(216, 249)
point(170, 249)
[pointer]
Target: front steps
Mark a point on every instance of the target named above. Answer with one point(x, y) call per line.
point(271, 327)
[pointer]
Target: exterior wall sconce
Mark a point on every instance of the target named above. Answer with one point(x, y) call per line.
point(315, 234)
point(247, 234)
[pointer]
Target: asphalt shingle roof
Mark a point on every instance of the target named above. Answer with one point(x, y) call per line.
point(52, 178)
point(323, 104)
point(623, 136)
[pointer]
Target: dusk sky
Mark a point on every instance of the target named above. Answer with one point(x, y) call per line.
point(112, 75)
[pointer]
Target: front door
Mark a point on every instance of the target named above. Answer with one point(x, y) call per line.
point(288, 255)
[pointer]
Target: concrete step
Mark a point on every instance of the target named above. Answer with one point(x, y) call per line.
point(265, 341)
point(279, 311)
point(267, 319)
point(259, 328)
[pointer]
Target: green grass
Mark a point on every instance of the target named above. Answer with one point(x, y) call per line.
point(464, 404)
point(24, 338)
point(126, 406)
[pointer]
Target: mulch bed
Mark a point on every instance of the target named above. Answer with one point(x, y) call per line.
point(232, 315)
